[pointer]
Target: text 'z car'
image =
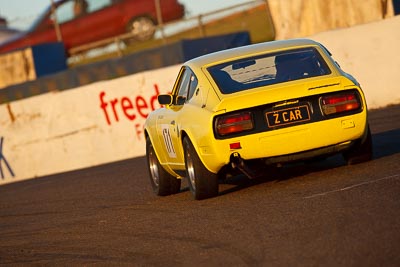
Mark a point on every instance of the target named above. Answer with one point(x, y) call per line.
point(239, 110)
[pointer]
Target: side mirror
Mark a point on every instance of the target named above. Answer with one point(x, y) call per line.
point(165, 99)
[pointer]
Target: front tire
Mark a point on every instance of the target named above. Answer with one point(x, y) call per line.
point(361, 151)
point(202, 183)
point(162, 182)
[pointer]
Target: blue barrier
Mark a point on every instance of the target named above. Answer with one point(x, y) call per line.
point(49, 58)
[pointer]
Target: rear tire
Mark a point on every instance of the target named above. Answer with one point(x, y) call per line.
point(202, 183)
point(361, 151)
point(162, 182)
point(143, 28)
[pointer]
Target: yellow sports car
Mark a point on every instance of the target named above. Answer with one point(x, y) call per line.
point(239, 110)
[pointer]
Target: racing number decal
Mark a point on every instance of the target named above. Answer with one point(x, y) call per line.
point(168, 140)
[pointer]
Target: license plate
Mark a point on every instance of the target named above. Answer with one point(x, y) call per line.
point(288, 116)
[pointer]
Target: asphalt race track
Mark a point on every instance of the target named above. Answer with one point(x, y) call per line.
point(317, 214)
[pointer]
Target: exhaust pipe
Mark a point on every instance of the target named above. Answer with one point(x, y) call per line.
point(238, 163)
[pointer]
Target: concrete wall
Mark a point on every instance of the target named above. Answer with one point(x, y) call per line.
point(16, 67)
point(299, 18)
point(370, 52)
point(78, 128)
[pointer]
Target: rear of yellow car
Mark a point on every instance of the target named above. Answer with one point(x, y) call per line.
point(313, 115)
point(295, 129)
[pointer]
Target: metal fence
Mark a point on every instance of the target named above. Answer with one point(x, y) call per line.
point(165, 30)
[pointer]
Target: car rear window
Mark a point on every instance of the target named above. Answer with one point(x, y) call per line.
point(252, 72)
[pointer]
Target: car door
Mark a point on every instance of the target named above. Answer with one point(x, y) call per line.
point(85, 24)
point(103, 19)
point(168, 125)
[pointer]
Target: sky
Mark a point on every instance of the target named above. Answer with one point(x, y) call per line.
point(20, 13)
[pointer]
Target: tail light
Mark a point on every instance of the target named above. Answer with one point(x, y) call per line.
point(339, 103)
point(234, 123)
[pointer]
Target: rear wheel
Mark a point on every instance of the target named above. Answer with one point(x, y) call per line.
point(143, 28)
point(202, 183)
point(361, 151)
point(162, 182)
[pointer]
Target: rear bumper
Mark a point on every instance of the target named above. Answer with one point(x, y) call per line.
point(324, 151)
point(294, 143)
